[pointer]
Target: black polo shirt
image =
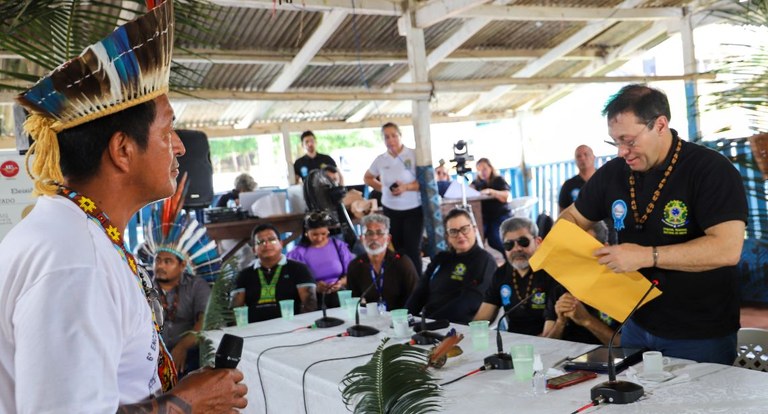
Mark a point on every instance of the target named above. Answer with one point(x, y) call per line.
point(492, 208)
point(573, 332)
point(292, 276)
point(528, 318)
point(397, 280)
point(453, 286)
point(569, 192)
point(704, 189)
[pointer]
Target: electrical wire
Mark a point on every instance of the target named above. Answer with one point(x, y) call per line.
point(485, 367)
point(280, 333)
point(258, 359)
point(304, 375)
point(594, 403)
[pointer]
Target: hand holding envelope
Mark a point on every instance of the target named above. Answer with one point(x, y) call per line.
point(567, 254)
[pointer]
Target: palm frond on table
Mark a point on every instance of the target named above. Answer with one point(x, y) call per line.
point(218, 312)
point(394, 381)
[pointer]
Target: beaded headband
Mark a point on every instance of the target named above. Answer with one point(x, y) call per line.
point(129, 67)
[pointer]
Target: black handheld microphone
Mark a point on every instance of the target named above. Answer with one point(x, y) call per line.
point(501, 359)
point(358, 330)
point(423, 336)
point(620, 392)
point(327, 321)
point(229, 352)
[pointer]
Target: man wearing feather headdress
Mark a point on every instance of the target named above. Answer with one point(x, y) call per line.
point(80, 320)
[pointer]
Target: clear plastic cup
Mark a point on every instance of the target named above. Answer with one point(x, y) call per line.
point(400, 323)
point(241, 315)
point(343, 295)
point(350, 304)
point(522, 358)
point(286, 309)
point(478, 331)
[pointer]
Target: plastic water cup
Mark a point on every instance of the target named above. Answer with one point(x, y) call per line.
point(350, 304)
point(241, 315)
point(400, 323)
point(478, 331)
point(522, 358)
point(343, 295)
point(372, 309)
point(286, 309)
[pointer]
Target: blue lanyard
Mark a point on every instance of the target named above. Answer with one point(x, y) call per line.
point(380, 285)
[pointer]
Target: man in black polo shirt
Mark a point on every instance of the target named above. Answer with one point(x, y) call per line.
point(312, 160)
point(273, 278)
point(585, 162)
point(680, 211)
point(515, 280)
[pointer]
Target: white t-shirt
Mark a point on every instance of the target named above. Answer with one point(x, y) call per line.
point(392, 169)
point(76, 333)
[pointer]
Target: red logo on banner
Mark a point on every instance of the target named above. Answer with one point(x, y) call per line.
point(9, 169)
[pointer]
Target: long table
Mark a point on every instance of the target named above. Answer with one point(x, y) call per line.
point(698, 388)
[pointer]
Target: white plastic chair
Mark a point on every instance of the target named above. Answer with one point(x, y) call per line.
point(752, 349)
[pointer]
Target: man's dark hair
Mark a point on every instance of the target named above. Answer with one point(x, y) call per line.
point(456, 212)
point(645, 102)
point(307, 134)
point(81, 147)
point(261, 227)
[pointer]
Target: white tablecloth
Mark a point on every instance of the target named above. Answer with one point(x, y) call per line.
point(698, 388)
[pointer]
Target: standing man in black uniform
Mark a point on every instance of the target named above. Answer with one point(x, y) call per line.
point(680, 211)
point(585, 162)
point(312, 160)
point(516, 280)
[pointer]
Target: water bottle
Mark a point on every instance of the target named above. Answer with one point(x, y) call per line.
point(539, 376)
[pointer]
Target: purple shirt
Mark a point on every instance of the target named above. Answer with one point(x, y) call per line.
point(328, 263)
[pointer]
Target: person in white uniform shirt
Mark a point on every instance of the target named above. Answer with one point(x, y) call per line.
point(400, 197)
point(77, 333)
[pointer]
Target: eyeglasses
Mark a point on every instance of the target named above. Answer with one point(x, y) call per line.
point(465, 230)
point(631, 144)
point(267, 241)
point(522, 241)
point(373, 234)
point(317, 217)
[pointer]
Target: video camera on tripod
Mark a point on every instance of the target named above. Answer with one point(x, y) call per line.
point(461, 156)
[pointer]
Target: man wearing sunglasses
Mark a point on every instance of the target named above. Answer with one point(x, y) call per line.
point(272, 278)
point(679, 211)
point(515, 280)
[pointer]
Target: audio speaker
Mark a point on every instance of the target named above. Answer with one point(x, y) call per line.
point(196, 162)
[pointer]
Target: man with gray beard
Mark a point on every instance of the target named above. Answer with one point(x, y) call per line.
point(514, 281)
point(393, 276)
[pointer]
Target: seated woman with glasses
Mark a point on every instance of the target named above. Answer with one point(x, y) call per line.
point(327, 257)
point(454, 283)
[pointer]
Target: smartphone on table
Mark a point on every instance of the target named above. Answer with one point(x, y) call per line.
point(575, 377)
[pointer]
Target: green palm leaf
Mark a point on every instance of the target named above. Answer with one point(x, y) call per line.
point(218, 312)
point(46, 33)
point(394, 381)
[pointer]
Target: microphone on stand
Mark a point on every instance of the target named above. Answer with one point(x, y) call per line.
point(501, 359)
point(358, 330)
point(619, 392)
point(423, 336)
point(229, 351)
point(327, 321)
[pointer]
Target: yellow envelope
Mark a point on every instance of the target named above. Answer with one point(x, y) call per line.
point(567, 255)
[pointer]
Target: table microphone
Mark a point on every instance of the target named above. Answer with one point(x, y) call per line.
point(620, 392)
point(424, 336)
point(501, 359)
point(327, 321)
point(229, 352)
point(358, 330)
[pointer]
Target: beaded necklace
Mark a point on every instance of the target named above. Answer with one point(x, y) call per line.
point(515, 275)
point(639, 221)
point(165, 367)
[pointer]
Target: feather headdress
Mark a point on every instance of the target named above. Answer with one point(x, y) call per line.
point(170, 229)
point(129, 67)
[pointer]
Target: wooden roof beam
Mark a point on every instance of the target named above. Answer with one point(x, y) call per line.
point(584, 14)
